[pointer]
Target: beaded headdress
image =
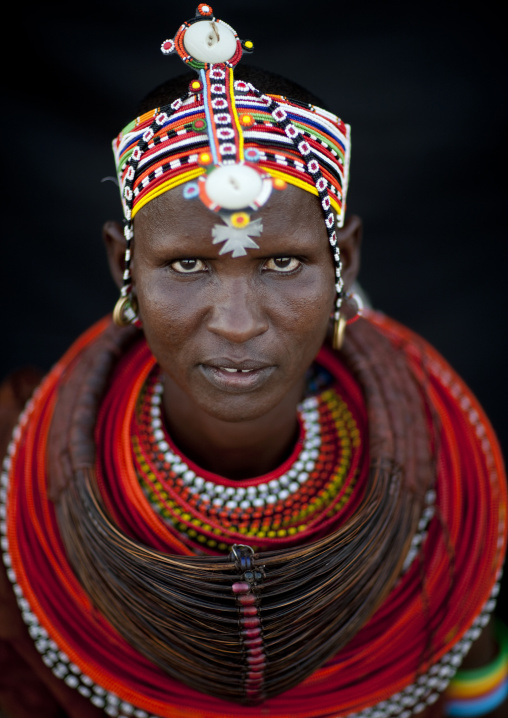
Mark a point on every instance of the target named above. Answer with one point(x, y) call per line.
point(230, 145)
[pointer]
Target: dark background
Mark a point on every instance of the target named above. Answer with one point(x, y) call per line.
point(423, 86)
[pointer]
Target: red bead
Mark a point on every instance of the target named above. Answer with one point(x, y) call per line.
point(252, 632)
point(240, 587)
point(253, 642)
point(254, 674)
point(256, 662)
point(256, 651)
point(247, 599)
point(249, 610)
point(251, 622)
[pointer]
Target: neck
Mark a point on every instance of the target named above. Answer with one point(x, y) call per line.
point(235, 450)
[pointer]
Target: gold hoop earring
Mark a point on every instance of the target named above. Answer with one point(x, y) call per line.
point(339, 332)
point(125, 311)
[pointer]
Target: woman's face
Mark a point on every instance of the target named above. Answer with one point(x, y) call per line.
point(235, 334)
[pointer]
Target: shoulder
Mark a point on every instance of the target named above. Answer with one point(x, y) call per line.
point(15, 390)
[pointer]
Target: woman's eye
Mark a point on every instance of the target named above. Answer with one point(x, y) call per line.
point(188, 266)
point(282, 264)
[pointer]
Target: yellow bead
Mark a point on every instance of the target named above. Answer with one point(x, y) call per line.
point(240, 219)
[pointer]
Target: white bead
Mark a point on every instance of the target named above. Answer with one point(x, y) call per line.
point(234, 186)
point(210, 41)
point(60, 670)
point(271, 499)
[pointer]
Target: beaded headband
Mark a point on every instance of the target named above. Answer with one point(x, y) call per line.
point(230, 145)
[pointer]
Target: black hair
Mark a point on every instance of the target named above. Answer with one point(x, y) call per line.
point(263, 80)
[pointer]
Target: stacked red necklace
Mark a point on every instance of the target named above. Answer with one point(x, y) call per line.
point(402, 657)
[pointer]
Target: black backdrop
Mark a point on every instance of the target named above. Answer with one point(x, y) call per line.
point(422, 85)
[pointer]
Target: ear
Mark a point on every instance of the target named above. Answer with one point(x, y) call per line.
point(112, 234)
point(349, 239)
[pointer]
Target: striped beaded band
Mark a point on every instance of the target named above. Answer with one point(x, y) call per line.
point(169, 146)
point(477, 691)
point(227, 133)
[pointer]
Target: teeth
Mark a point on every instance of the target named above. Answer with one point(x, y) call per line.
point(235, 371)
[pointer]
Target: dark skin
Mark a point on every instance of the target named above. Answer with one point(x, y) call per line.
point(204, 313)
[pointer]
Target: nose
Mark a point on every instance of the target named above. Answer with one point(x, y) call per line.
point(237, 314)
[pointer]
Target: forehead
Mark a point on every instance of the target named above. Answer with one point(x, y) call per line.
point(290, 217)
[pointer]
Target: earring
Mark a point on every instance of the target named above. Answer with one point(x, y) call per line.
point(126, 311)
point(339, 332)
point(350, 311)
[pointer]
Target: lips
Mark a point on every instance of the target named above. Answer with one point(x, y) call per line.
point(236, 376)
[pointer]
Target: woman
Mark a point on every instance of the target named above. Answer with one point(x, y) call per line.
point(221, 514)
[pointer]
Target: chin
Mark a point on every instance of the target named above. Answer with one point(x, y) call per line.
point(238, 407)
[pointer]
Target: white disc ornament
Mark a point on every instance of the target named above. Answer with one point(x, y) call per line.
point(236, 186)
point(210, 41)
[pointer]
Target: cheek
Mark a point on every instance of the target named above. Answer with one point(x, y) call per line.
point(170, 312)
point(303, 310)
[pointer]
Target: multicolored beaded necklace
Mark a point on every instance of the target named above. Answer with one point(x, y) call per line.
point(212, 513)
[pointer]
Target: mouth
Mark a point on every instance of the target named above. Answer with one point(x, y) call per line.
point(236, 376)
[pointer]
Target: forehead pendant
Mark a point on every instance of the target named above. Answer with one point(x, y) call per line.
point(233, 185)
